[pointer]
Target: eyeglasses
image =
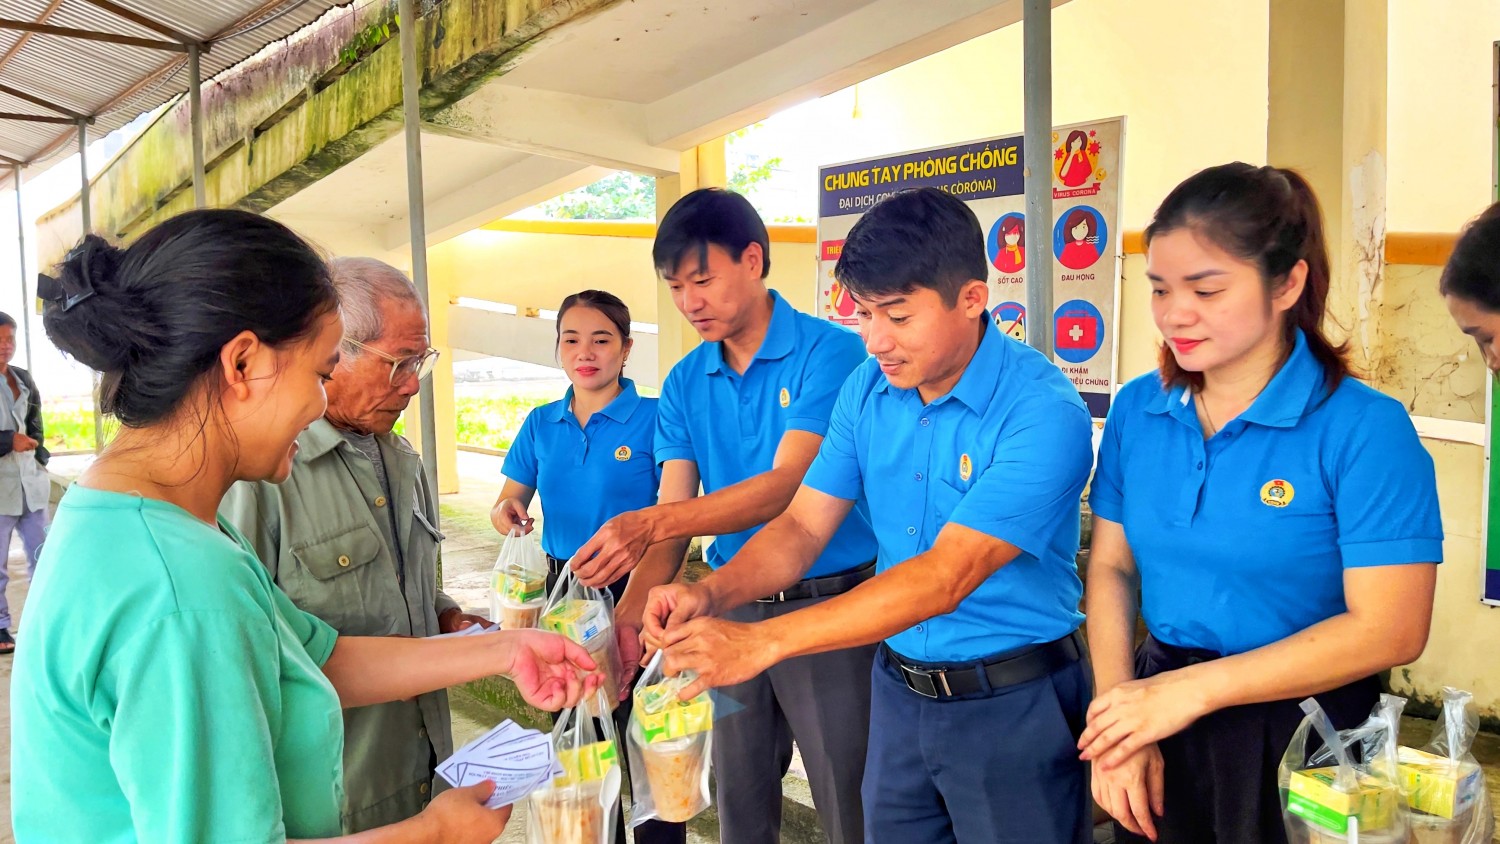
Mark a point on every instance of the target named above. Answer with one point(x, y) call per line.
point(418, 365)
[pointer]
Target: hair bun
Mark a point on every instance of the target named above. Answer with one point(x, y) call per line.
point(88, 319)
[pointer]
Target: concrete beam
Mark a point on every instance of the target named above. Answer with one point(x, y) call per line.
point(590, 130)
point(868, 41)
point(521, 185)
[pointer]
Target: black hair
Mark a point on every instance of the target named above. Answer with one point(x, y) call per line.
point(709, 216)
point(921, 238)
point(616, 311)
point(161, 310)
point(1473, 270)
point(7, 319)
point(1269, 217)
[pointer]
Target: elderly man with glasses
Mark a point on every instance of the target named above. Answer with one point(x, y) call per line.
point(352, 536)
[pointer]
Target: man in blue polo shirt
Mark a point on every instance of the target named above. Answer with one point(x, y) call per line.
point(972, 451)
point(745, 413)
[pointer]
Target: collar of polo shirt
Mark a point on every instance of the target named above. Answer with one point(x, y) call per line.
point(1297, 388)
point(619, 408)
point(976, 387)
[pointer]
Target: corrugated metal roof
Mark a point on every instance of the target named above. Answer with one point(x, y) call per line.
point(115, 83)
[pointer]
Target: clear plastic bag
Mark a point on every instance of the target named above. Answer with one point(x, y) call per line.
point(587, 616)
point(1346, 791)
point(579, 806)
point(1443, 781)
point(670, 744)
point(518, 583)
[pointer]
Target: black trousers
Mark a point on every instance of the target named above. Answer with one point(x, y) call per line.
point(1220, 773)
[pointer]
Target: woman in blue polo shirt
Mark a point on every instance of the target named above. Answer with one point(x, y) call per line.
point(1278, 517)
point(590, 455)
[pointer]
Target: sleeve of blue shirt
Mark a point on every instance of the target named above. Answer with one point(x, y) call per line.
point(1106, 499)
point(1385, 492)
point(196, 759)
point(1034, 483)
point(673, 439)
point(520, 459)
point(830, 360)
point(835, 471)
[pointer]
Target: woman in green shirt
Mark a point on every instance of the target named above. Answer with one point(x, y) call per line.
point(168, 691)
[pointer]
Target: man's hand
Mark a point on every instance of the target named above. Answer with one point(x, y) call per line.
point(671, 605)
point(23, 443)
point(508, 514)
point(615, 550)
point(629, 639)
point(454, 619)
point(1132, 792)
point(721, 652)
point(552, 672)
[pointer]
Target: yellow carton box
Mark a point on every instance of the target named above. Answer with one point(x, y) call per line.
point(1436, 785)
point(581, 621)
point(1314, 798)
point(662, 720)
point(520, 585)
point(586, 764)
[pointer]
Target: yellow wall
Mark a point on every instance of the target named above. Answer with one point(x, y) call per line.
point(1442, 113)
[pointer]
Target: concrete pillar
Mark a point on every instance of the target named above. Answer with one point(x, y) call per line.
point(1327, 119)
point(440, 297)
point(702, 167)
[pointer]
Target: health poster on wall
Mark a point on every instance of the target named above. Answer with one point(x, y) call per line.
point(988, 176)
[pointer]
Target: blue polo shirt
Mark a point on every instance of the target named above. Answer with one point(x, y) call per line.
point(1006, 452)
point(586, 475)
point(1242, 540)
point(731, 424)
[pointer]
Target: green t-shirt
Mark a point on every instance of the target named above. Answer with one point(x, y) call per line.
point(165, 690)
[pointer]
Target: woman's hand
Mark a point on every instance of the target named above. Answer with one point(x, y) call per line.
point(459, 816)
point(509, 514)
point(552, 672)
point(1138, 713)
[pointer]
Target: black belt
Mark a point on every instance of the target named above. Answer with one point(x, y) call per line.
point(823, 587)
point(1012, 669)
point(554, 565)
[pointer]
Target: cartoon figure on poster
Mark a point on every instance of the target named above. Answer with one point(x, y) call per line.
point(839, 300)
point(1078, 331)
point(1007, 243)
point(1010, 317)
point(1077, 158)
point(1079, 238)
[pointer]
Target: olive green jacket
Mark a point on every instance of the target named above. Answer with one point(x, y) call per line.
point(325, 536)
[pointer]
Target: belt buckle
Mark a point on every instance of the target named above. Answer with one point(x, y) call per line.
point(933, 690)
point(778, 598)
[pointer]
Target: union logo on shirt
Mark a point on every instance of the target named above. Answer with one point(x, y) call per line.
point(1277, 493)
point(965, 467)
point(786, 398)
point(622, 453)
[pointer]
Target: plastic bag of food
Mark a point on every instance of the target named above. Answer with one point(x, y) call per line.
point(1444, 784)
point(579, 805)
point(587, 616)
point(1346, 791)
point(518, 583)
point(670, 744)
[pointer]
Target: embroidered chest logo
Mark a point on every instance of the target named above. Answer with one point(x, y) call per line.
point(622, 453)
point(965, 467)
point(1277, 493)
point(786, 398)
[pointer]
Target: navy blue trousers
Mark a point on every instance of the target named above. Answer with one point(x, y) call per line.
point(986, 769)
